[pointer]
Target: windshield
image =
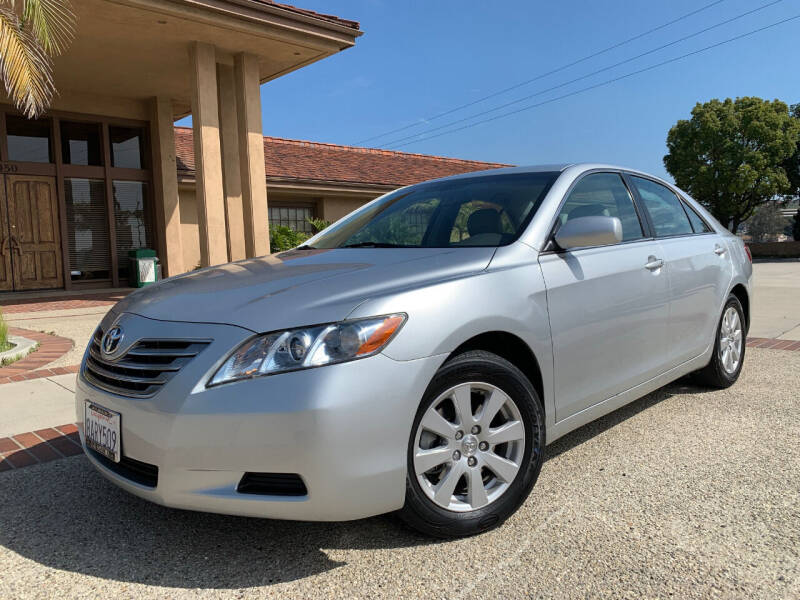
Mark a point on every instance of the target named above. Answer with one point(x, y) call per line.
point(490, 210)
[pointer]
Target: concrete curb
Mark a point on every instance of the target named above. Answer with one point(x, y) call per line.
point(51, 347)
point(22, 347)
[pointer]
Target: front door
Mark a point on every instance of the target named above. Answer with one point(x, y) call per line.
point(30, 239)
point(608, 305)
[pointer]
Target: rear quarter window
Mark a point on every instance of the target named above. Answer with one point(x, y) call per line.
point(664, 207)
point(698, 224)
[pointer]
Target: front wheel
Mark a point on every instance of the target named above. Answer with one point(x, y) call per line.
point(729, 347)
point(475, 449)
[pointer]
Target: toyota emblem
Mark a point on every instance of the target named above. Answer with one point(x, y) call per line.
point(111, 340)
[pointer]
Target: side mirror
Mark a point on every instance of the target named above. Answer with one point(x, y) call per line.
point(589, 231)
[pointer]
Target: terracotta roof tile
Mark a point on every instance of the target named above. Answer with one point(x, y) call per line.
point(315, 161)
point(311, 13)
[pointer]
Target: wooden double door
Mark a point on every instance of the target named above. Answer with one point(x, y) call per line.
point(30, 234)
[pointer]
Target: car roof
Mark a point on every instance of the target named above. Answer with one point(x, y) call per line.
point(505, 170)
point(556, 167)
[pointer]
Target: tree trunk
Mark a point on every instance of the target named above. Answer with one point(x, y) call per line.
point(734, 226)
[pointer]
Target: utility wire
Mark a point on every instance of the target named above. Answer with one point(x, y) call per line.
point(587, 75)
point(543, 75)
point(609, 81)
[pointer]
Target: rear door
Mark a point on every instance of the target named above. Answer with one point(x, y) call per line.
point(608, 305)
point(697, 266)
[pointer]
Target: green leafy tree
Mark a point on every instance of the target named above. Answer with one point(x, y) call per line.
point(792, 164)
point(731, 154)
point(32, 32)
point(767, 221)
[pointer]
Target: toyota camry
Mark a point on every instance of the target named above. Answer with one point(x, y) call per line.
point(418, 355)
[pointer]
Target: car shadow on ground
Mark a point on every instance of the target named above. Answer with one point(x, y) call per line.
point(685, 385)
point(65, 516)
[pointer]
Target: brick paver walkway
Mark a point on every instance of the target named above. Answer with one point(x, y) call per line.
point(773, 344)
point(43, 445)
point(39, 373)
point(51, 347)
point(10, 306)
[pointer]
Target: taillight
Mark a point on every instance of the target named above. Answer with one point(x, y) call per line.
point(749, 254)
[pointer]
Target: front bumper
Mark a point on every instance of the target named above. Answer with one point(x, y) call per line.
point(343, 428)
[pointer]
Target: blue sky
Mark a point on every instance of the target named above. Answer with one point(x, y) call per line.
point(418, 59)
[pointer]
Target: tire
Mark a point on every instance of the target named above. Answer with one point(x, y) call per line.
point(718, 373)
point(488, 383)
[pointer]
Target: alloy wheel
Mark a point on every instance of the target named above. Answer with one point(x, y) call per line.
point(469, 446)
point(730, 340)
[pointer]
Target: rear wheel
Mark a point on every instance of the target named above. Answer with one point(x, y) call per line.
point(475, 449)
point(729, 347)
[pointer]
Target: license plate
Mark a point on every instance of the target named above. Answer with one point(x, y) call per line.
point(101, 430)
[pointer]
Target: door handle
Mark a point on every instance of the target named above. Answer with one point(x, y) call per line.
point(719, 250)
point(653, 263)
point(15, 241)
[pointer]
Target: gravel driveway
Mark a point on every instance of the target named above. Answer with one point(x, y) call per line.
point(685, 493)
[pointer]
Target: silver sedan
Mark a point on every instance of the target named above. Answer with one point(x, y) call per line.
point(418, 355)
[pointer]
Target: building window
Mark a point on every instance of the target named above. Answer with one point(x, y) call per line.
point(80, 144)
point(101, 170)
point(28, 141)
point(132, 226)
point(126, 147)
point(87, 225)
point(293, 217)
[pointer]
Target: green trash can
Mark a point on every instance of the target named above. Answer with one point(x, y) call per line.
point(144, 267)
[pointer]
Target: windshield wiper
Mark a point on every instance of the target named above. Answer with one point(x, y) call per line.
point(374, 245)
point(305, 247)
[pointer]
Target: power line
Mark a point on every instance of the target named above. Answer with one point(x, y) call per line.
point(607, 82)
point(586, 76)
point(548, 73)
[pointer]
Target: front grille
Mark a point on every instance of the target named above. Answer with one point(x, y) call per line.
point(272, 484)
point(143, 369)
point(129, 468)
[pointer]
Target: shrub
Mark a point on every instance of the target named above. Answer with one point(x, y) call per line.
point(318, 224)
point(282, 238)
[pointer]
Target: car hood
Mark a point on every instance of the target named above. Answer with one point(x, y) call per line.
point(299, 287)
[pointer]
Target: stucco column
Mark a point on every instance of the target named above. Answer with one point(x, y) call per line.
point(165, 181)
point(231, 170)
point(207, 155)
point(251, 155)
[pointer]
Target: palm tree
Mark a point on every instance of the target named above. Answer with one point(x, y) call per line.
point(30, 36)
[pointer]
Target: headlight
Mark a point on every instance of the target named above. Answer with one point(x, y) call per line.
point(308, 347)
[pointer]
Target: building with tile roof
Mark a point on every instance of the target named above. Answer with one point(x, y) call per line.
point(105, 172)
point(314, 180)
point(97, 177)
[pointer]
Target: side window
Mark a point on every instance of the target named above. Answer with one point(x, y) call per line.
point(664, 207)
point(603, 194)
point(698, 224)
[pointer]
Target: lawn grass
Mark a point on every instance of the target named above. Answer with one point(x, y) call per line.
point(4, 344)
